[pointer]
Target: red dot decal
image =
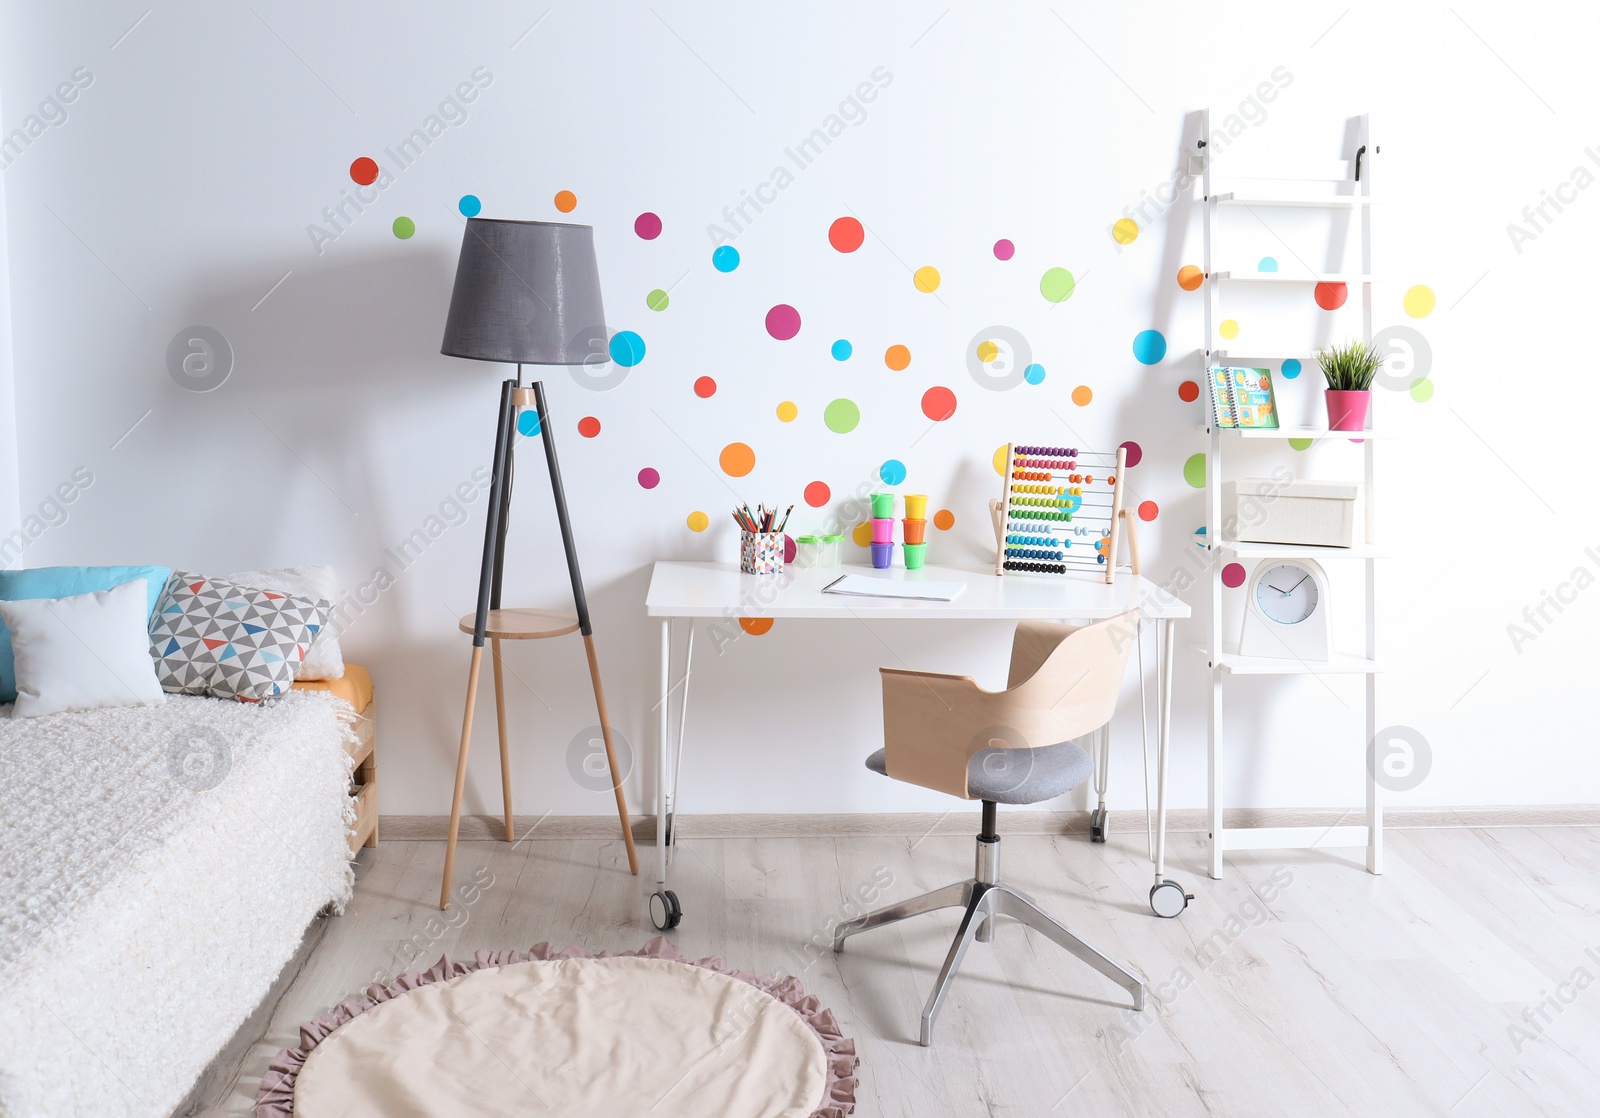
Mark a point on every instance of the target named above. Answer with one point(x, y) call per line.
point(846, 234)
point(817, 494)
point(1330, 296)
point(364, 171)
point(1135, 452)
point(1233, 575)
point(588, 426)
point(938, 404)
point(648, 226)
point(1149, 510)
point(705, 388)
point(1188, 391)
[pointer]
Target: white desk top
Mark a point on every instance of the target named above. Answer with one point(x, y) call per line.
point(720, 590)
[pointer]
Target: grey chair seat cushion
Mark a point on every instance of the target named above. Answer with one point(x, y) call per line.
point(1017, 776)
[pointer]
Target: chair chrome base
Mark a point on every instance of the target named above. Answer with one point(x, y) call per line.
point(984, 901)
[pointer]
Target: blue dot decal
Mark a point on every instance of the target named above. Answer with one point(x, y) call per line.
point(1291, 369)
point(528, 422)
point(1149, 347)
point(725, 258)
point(893, 472)
point(1268, 264)
point(627, 348)
point(469, 205)
point(842, 350)
point(1034, 374)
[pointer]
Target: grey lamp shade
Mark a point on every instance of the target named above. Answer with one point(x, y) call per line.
point(526, 291)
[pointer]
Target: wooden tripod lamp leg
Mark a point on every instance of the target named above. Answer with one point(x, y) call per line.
point(461, 774)
point(611, 754)
point(505, 738)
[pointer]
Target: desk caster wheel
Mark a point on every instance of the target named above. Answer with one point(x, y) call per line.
point(1097, 825)
point(1168, 899)
point(665, 911)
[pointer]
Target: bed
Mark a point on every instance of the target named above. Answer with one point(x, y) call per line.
point(159, 866)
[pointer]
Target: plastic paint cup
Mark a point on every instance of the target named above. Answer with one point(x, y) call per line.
point(914, 554)
point(913, 531)
point(882, 555)
point(883, 505)
point(882, 530)
point(916, 506)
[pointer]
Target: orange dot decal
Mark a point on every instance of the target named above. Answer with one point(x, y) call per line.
point(1149, 510)
point(756, 626)
point(1190, 277)
point(938, 403)
point(588, 426)
point(897, 357)
point(705, 388)
point(1081, 395)
point(846, 234)
point(1188, 391)
point(566, 201)
point(944, 520)
point(818, 494)
point(737, 459)
point(364, 171)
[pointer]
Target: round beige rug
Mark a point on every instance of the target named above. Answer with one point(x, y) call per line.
point(573, 1034)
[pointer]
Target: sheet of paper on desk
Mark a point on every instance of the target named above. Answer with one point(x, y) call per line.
point(866, 586)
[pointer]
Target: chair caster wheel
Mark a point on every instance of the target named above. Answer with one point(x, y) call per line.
point(665, 911)
point(1168, 899)
point(1097, 825)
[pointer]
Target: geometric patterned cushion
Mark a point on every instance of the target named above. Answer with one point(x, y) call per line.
point(210, 637)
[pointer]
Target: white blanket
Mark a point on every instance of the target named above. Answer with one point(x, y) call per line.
point(158, 866)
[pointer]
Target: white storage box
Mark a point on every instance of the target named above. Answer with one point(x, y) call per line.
point(1267, 510)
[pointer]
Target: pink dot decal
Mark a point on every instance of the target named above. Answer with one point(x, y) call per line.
point(789, 548)
point(1004, 249)
point(649, 478)
point(817, 494)
point(1135, 452)
point(783, 322)
point(1233, 575)
point(648, 226)
point(938, 404)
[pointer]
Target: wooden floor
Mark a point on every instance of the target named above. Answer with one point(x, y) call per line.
point(1299, 985)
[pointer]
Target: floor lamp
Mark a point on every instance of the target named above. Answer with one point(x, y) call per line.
point(526, 292)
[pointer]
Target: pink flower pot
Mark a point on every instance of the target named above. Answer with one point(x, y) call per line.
point(1347, 411)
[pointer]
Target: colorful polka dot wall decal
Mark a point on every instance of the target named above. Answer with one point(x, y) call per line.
point(1233, 575)
point(897, 357)
point(1004, 249)
point(841, 350)
point(783, 322)
point(892, 472)
point(1290, 368)
point(1149, 347)
point(724, 258)
point(470, 205)
point(1081, 395)
point(862, 534)
point(846, 234)
point(841, 416)
point(404, 227)
point(818, 494)
point(789, 548)
point(1229, 329)
point(737, 459)
point(364, 171)
point(944, 520)
point(1125, 231)
point(999, 460)
point(1330, 296)
point(1268, 264)
point(1149, 510)
point(528, 422)
point(1299, 444)
point(1034, 374)
point(1056, 285)
point(588, 426)
point(1190, 277)
point(705, 388)
point(1188, 391)
point(938, 403)
point(627, 348)
point(926, 279)
point(1135, 452)
point(756, 626)
point(657, 300)
point(987, 351)
point(698, 521)
point(787, 411)
point(647, 225)
point(1422, 390)
point(1418, 301)
point(649, 477)
point(566, 201)
point(1194, 470)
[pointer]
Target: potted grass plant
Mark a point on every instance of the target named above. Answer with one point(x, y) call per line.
point(1349, 370)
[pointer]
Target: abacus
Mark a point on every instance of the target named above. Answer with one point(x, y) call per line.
point(1061, 511)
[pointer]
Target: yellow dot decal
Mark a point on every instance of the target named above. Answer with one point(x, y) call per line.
point(862, 534)
point(926, 279)
point(787, 411)
point(987, 352)
point(1000, 460)
point(1229, 329)
point(698, 521)
point(1125, 231)
point(1419, 301)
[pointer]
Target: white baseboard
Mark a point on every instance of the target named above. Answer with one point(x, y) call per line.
point(964, 822)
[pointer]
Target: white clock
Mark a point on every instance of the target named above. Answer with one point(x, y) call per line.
point(1286, 612)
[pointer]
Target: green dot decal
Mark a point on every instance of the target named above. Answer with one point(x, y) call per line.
point(404, 227)
point(842, 416)
point(1056, 285)
point(1194, 471)
point(657, 300)
point(1422, 390)
point(1299, 444)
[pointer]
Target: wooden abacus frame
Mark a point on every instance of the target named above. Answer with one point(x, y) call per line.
point(1028, 465)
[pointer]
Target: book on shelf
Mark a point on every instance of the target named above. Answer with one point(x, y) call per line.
point(1242, 398)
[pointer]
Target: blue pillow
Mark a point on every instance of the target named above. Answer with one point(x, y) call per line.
point(64, 582)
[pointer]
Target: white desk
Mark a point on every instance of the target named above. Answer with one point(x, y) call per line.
point(719, 590)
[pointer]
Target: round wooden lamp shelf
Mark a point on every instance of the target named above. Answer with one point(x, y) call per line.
point(522, 624)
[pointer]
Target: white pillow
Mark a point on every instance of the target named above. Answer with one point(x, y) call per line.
point(324, 659)
point(83, 652)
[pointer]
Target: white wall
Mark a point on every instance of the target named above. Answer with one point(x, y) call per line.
point(179, 189)
point(9, 518)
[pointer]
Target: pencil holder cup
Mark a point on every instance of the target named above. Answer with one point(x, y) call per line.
point(882, 530)
point(916, 506)
point(914, 554)
point(883, 506)
point(882, 555)
point(913, 531)
point(761, 553)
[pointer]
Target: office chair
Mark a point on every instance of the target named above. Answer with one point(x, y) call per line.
point(1013, 747)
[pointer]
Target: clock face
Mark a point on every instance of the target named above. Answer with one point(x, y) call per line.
point(1286, 594)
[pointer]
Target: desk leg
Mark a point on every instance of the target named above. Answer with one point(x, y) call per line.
point(1167, 898)
point(664, 910)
